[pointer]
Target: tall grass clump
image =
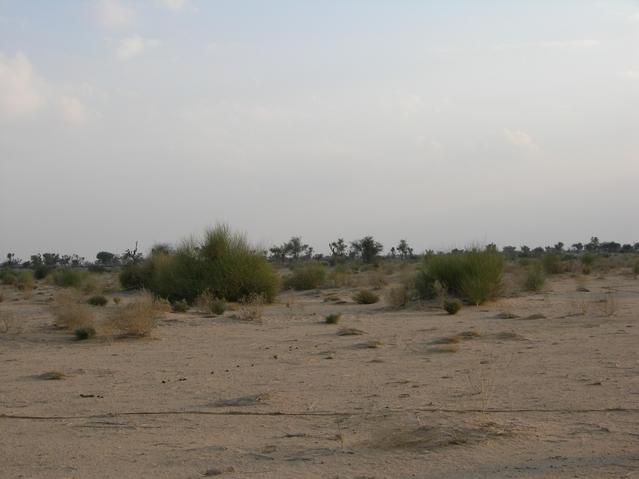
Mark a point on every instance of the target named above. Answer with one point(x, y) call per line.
point(135, 319)
point(535, 277)
point(222, 262)
point(551, 262)
point(24, 281)
point(474, 274)
point(68, 277)
point(307, 276)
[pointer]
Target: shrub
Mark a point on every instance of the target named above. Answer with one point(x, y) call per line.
point(222, 262)
point(68, 277)
point(117, 299)
point(308, 276)
point(398, 296)
point(535, 278)
point(135, 319)
point(251, 308)
point(7, 276)
point(96, 268)
point(97, 300)
point(42, 271)
point(69, 314)
point(84, 333)
point(365, 296)
point(134, 276)
point(474, 274)
point(551, 262)
point(1, 297)
point(211, 304)
point(635, 268)
point(24, 281)
point(340, 276)
point(452, 306)
point(180, 306)
point(333, 318)
point(377, 280)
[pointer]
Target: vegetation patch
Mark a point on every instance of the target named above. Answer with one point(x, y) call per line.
point(365, 296)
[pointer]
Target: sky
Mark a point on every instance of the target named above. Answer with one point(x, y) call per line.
point(444, 123)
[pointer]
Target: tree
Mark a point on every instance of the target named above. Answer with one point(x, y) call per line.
point(338, 248)
point(405, 251)
point(132, 256)
point(105, 258)
point(578, 247)
point(593, 246)
point(525, 251)
point(559, 247)
point(366, 248)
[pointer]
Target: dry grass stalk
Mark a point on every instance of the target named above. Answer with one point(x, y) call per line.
point(69, 314)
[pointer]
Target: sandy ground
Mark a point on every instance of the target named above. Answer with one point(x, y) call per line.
point(287, 397)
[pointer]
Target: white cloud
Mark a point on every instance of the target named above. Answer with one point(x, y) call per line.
point(549, 44)
point(73, 110)
point(174, 4)
point(519, 139)
point(20, 93)
point(112, 14)
point(132, 47)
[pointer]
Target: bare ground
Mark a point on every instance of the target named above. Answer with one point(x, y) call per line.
point(491, 392)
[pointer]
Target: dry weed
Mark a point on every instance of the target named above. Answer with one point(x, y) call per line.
point(69, 314)
point(398, 296)
point(251, 308)
point(137, 318)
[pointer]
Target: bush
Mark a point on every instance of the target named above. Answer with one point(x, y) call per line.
point(474, 274)
point(211, 304)
point(97, 300)
point(452, 306)
point(134, 276)
point(398, 296)
point(96, 268)
point(535, 278)
point(635, 268)
point(84, 333)
point(365, 296)
point(222, 262)
point(69, 314)
point(68, 277)
point(333, 318)
point(551, 262)
point(307, 276)
point(23, 281)
point(136, 318)
point(180, 306)
point(42, 271)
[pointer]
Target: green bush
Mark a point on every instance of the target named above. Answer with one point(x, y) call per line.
point(333, 318)
point(308, 276)
point(223, 263)
point(474, 274)
point(535, 278)
point(365, 296)
point(68, 277)
point(452, 306)
point(7, 276)
point(551, 262)
point(42, 271)
point(23, 280)
point(97, 300)
point(84, 333)
point(135, 275)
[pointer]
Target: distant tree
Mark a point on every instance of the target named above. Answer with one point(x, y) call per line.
point(559, 247)
point(36, 260)
point(338, 248)
point(635, 246)
point(12, 261)
point(50, 259)
point(627, 248)
point(578, 247)
point(593, 246)
point(132, 256)
point(525, 251)
point(510, 251)
point(292, 250)
point(610, 247)
point(538, 251)
point(405, 251)
point(367, 249)
point(105, 258)
point(161, 248)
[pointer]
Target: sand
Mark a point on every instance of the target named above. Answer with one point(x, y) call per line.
point(539, 385)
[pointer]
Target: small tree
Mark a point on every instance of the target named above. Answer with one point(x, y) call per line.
point(366, 248)
point(105, 258)
point(405, 251)
point(338, 248)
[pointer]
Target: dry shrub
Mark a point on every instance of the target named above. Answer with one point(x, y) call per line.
point(340, 277)
point(69, 314)
point(365, 296)
point(398, 296)
point(377, 279)
point(209, 303)
point(137, 318)
point(251, 308)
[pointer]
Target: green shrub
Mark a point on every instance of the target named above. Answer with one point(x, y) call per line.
point(211, 303)
point(68, 277)
point(42, 271)
point(551, 262)
point(308, 276)
point(135, 275)
point(635, 268)
point(84, 333)
point(180, 306)
point(96, 268)
point(222, 262)
point(365, 296)
point(535, 278)
point(97, 300)
point(333, 318)
point(23, 280)
point(452, 306)
point(474, 274)
point(7, 276)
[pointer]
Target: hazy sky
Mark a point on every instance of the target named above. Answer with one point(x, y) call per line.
point(446, 123)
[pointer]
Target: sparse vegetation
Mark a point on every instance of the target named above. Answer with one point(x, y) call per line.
point(310, 275)
point(398, 296)
point(83, 333)
point(23, 281)
point(251, 308)
point(71, 315)
point(211, 303)
point(635, 269)
point(68, 277)
point(365, 296)
point(452, 306)
point(98, 300)
point(551, 261)
point(333, 318)
point(535, 278)
point(136, 319)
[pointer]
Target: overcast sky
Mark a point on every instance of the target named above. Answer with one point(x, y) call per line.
point(445, 123)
